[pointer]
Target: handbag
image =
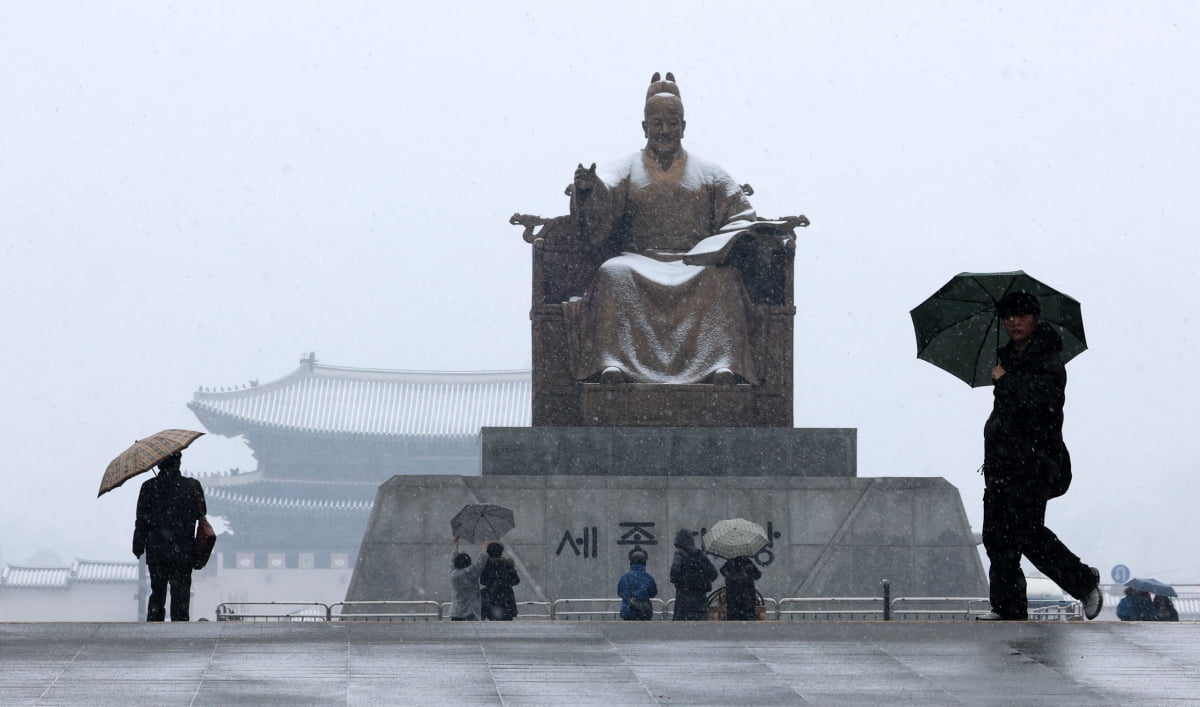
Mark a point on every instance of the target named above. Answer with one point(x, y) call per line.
point(206, 539)
point(1058, 478)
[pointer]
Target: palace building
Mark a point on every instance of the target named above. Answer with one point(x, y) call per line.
point(324, 439)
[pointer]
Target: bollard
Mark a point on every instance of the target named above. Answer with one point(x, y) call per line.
point(887, 599)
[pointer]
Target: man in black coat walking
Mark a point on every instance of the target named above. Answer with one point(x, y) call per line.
point(1026, 464)
point(167, 510)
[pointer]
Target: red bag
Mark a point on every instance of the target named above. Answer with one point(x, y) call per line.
point(206, 539)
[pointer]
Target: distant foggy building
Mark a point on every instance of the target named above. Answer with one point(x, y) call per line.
point(87, 590)
point(325, 438)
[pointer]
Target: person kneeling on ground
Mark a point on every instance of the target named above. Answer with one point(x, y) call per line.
point(1136, 605)
point(636, 588)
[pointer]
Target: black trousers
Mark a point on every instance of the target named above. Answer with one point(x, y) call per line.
point(178, 576)
point(1014, 524)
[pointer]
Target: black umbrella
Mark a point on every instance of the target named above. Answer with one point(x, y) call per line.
point(478, 522)
point(958, 330)
point(1152, 585)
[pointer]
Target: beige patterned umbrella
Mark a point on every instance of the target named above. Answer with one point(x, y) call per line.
point(143, 456)
point(735, 537)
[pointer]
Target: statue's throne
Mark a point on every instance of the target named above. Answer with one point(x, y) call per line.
point(564, 263)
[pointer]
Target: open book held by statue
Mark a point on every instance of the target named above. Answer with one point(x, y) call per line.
point(662, 299)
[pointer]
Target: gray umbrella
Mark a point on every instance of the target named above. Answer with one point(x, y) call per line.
point(1152, 585)
point(478, 522)
point(736, 537)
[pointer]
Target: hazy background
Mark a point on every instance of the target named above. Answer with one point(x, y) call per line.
point(199, 193)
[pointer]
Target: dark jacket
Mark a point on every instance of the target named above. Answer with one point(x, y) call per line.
point(637, 582)
point(168, 507)
point(1136, 606)
point(740, 595)
point(692, 573)
point(1023, 436)
point(498, 579)
point(1164, 609)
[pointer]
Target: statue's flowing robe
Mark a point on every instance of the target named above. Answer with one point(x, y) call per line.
point(647, 313)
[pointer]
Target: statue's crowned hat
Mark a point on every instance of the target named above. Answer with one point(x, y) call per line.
point(659, 85)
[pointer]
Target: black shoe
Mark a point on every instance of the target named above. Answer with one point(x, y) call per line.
point(1094, 601)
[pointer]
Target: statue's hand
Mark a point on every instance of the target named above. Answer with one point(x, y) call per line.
point(585, 180)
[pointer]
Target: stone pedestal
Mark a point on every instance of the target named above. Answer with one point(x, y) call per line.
point(668, 451)
point(830, 535)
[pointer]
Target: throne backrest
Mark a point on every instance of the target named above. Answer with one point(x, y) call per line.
point(565, 264)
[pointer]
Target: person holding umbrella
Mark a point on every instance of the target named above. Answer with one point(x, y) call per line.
point(498, 578)
point(466, 604)
point(1164, 608)
point(168, 508)
point(1026, 464)
point(741, 597)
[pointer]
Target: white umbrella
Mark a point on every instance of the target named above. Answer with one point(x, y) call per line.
point(735, 537)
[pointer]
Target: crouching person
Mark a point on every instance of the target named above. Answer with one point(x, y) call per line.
point(636, 588)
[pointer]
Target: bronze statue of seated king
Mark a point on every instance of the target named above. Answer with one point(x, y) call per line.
point(662, 299)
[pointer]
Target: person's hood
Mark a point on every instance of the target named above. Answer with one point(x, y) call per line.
point(684, 540)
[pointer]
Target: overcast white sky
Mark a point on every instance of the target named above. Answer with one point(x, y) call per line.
point(198, 193)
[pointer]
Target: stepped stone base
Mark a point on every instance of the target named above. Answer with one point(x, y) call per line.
point(669, 451)
point(831, 536)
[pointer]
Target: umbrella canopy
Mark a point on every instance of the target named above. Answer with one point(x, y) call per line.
point(735, 537)
point(144, 455)
point(1152, 585)
point(958, 330)
point(478, 522)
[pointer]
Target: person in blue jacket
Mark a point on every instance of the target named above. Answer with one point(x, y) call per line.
point(1136, 605)
point(636, 588)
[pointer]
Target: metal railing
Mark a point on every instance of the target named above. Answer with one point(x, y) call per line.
point(278, 611)
point(609, 609)
point(938, 607)
point(831, 608)
point(418, 610)
point(563, 609)
point(1063, 611)
point(542, 610)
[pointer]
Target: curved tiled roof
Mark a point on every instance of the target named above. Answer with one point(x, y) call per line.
point(329, 399)
point(49, 577)
point(92, 571)
point(102, 571)
point(289, 505)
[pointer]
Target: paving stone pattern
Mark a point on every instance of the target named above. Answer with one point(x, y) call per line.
point(608, 663)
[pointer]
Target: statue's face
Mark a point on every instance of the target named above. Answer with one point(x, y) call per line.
point(664, 123)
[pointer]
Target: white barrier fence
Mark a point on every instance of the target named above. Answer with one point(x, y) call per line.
point(609, 609)
point(878, 608)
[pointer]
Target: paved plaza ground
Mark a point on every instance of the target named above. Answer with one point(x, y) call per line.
point(601, 662)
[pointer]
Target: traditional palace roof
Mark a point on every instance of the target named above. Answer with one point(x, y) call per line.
point(320, 399)
point(89, 571)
